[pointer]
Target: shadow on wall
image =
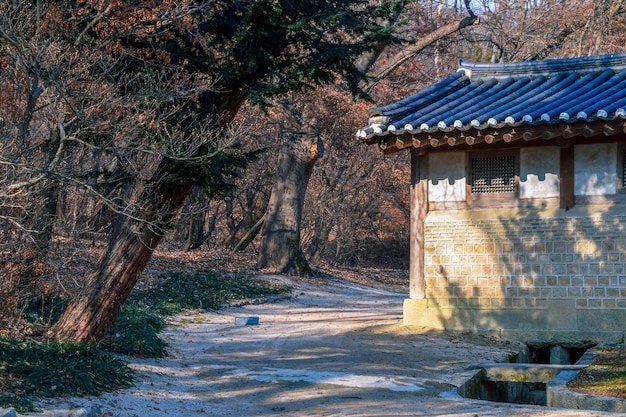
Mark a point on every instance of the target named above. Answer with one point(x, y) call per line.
point(544, 274)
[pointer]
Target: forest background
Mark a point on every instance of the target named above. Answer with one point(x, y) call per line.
point(214, 125)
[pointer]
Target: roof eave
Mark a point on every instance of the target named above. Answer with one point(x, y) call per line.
point(560, 131)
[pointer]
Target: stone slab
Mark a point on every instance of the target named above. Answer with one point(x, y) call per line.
point(522, 372)
point(558, 395)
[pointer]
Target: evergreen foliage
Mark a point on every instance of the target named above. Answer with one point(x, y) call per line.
point(272, 48)
point(247, 50)
point(201, 290)
point(30, 369)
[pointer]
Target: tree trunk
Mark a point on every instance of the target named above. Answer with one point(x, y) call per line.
point(280, 249)
point(250, 225)
point(324, 219)
point(196, 213)
point(43, 219)
point(321, 236)
point(95, 308)
point(41, 213)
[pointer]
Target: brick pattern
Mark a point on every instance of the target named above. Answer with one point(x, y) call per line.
point(523, 262)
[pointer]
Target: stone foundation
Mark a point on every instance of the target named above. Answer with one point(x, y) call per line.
point(533, 325)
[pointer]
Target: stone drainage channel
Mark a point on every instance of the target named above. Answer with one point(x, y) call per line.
point(538, 376)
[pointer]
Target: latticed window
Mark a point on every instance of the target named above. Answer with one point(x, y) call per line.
point(493, 174)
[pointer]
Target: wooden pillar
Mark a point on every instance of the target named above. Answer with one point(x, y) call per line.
point(419, 209)
point(567, 177)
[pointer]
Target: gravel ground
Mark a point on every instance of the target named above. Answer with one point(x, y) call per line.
point(335, 348)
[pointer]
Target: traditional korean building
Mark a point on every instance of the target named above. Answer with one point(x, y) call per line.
point(518, 198)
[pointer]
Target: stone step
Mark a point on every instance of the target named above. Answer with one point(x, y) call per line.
point(522, 372)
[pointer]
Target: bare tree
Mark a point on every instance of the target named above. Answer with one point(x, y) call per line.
point(518, 30)
point(280, 249)
point(248, 203)
point(252, 49)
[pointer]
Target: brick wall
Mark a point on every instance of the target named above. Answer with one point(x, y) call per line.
point(526, 260)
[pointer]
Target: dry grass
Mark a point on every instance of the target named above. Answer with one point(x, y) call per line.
point(605, 377)
point(71, 261)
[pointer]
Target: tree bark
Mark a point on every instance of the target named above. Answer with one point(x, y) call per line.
point(249, 227)
point(44, 216)
point(320, 237)
point(95, 308)
point(196, 213)
point(41, 213)
point(280, 250)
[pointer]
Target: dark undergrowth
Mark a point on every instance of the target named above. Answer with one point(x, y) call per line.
point(31, 370)
point(136, 330)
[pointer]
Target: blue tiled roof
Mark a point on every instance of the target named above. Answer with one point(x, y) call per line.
point(481, 97)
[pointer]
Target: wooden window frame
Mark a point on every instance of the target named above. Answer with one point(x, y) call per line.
point(487, 200)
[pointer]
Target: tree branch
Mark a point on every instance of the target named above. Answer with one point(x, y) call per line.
point(412, 50)
point(92, 23)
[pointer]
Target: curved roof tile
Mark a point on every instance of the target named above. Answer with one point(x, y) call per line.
point(480, 96)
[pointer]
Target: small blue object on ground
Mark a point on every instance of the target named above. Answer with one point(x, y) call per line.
point(246, 320)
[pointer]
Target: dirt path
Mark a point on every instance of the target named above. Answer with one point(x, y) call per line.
point(337, 349)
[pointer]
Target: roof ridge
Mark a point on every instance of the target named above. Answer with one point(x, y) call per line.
point(586, 64)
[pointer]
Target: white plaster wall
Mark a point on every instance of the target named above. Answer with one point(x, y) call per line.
point(539, 172)
point(595, 169)
point(446, 177)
